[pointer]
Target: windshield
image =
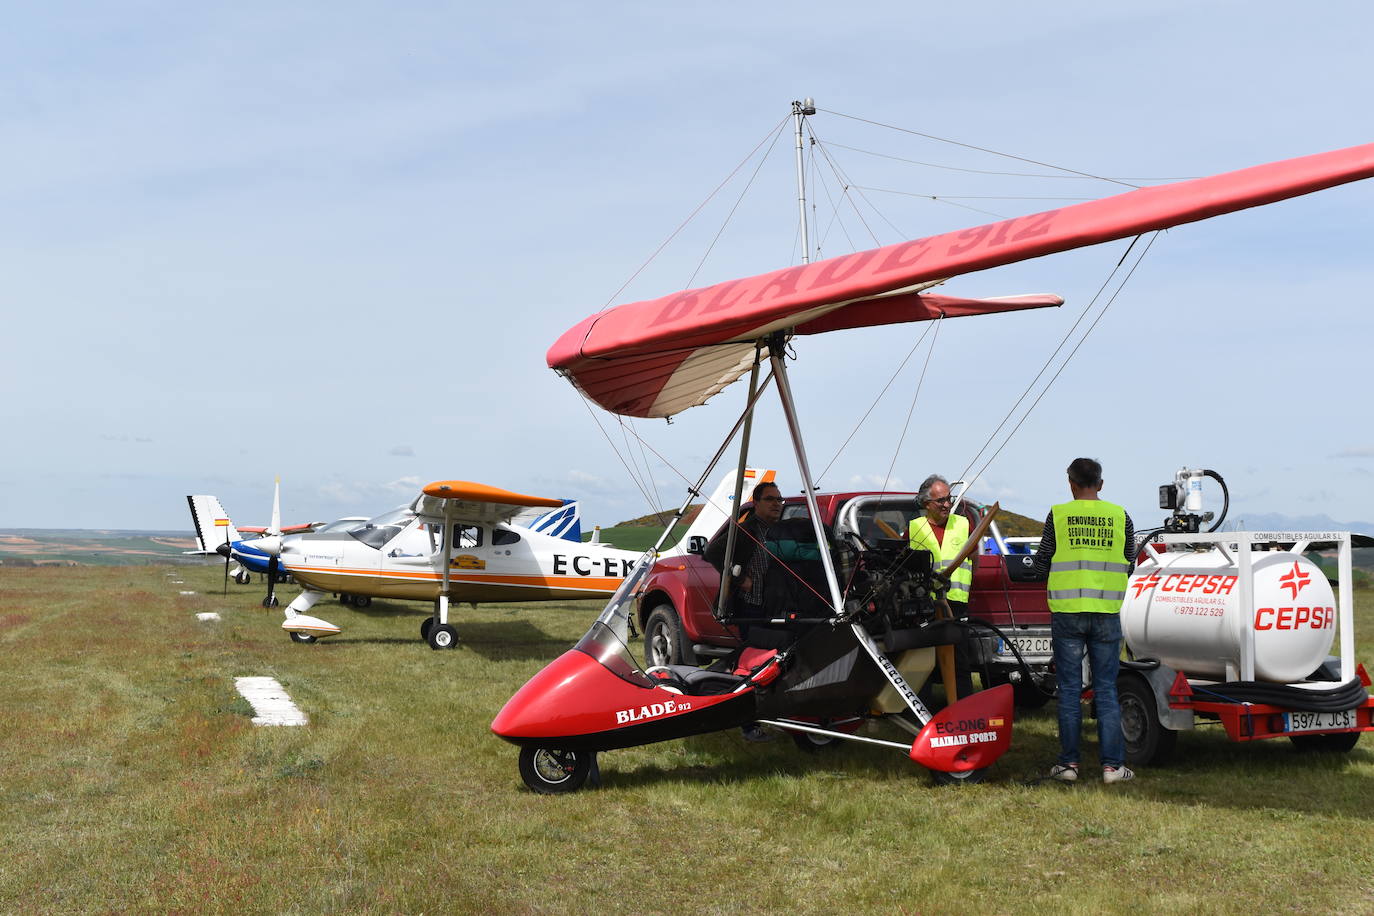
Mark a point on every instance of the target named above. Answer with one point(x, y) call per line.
point(375, 532)
point(608, 639)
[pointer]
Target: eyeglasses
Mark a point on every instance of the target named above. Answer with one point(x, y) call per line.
point(945, 501)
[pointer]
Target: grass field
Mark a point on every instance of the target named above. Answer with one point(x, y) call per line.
point(132, 780)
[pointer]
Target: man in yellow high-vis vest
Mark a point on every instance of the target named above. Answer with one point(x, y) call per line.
point(1088, 550)
point(943, 535)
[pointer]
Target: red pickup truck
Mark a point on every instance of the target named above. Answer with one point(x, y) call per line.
point(675, 611)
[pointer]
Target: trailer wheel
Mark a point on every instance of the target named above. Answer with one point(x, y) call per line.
point(1147, 741)
point(664, 643)
point(1338, 743)
point(966, 778)
point(550, 772)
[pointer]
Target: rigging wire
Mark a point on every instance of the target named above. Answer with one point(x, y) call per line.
point(777, 135)
point(1049, 360)
point(955, 168)
point(949, 197)
point(982, 149)
point(871, 407)
point(692, 215)
point(586, 402)
point(1067, 359)
point(902, 438)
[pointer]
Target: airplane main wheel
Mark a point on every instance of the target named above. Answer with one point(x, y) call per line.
point(243, 577)
point(550, 772)
point(362, 600)
point(424, 628)
point(966, 778)
point(442, 636)
point(271, 601)
point(303, 637)
point(345, 599)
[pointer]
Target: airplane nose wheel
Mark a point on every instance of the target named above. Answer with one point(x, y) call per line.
point(442, 636)
point(271, 601)
point(302, 637)
point(550, 772)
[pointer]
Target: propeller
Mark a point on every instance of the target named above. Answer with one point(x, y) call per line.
point(225, 551)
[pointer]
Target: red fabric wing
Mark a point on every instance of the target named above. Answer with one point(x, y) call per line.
point(628, 359)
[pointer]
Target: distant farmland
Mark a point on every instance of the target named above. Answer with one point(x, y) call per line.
point(74, 547)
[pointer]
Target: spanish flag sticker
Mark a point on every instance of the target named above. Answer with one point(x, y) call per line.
point(221, 523)
point(996, 723)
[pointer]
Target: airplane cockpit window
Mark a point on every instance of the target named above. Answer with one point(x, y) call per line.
point(376, 532)
point(503, 537)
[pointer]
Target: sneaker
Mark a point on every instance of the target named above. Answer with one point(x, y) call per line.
point(754, 732)
point(1064, 772)
point(1117, 774)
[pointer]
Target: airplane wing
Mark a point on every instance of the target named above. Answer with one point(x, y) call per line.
point(659, 357)
point(473, 502)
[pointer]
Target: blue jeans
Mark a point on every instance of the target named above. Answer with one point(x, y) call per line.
point(1099, 636)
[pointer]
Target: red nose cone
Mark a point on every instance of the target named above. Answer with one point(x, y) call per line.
point(967, 735)
point(572, 697)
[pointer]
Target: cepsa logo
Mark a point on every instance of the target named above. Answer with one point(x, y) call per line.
point(650, 711)
point(1186, 583)
point(1295, 618)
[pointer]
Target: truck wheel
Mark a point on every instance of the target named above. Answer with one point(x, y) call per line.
point(1338, 743)
point(1147, 741)
point(664, 643)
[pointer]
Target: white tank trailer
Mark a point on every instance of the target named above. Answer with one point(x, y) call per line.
point(1238, 628)
point(1185, 609)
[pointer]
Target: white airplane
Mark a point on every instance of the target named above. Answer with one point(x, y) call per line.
point(455, 542)
point(217, 535)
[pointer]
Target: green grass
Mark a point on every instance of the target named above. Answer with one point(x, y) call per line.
point(132, 780)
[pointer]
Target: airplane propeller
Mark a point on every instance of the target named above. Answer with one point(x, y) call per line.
point(225, 551)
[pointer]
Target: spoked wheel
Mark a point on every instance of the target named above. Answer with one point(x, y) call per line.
point(550, 772)
point(303, 637)
point(813, 744)
point(442, 636)
point(966, 778)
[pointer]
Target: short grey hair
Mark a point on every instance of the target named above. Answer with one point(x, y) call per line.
point(923, 494)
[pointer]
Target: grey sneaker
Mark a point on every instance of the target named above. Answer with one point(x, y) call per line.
point(1064, 772)
point(755, 732)
point(1117, 774)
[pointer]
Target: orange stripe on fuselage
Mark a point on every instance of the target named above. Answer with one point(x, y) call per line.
point(591, 583)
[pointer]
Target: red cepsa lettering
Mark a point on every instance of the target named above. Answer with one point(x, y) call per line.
point(1198, 582)
point(1295, 618)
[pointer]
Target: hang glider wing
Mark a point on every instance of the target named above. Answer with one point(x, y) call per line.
point(659, 357)
point(473, 502)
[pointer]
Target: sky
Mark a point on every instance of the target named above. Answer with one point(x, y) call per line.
point(332, 243)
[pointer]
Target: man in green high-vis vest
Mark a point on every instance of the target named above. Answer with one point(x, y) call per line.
point(943, 534)
point(1088, 550)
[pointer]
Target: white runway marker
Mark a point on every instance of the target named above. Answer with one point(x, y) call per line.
point(207, 615)
point(269, 701)
point(188, 593)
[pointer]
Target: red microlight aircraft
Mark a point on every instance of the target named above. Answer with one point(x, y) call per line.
point(822, 678)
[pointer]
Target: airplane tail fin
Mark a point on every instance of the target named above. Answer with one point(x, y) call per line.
point(564, 522)
point(720, 506)
point(213, 526)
